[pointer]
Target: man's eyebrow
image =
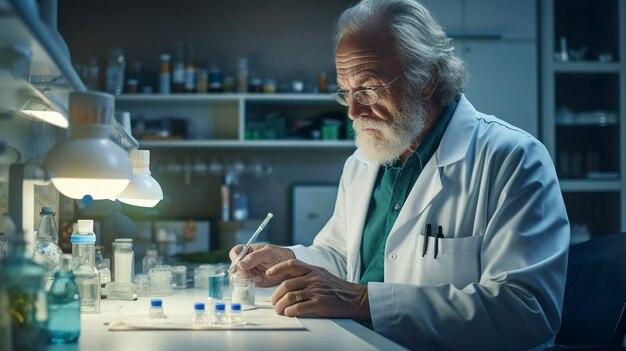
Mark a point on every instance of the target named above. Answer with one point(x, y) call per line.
point(363, 76)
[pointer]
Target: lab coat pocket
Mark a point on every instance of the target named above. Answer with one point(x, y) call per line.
point(457, 262)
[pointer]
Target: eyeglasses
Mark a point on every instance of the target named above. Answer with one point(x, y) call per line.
point(366, 96)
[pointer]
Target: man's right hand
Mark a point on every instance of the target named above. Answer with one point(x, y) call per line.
point(259, 259)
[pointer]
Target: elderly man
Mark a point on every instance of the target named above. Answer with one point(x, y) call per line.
point(449, 230)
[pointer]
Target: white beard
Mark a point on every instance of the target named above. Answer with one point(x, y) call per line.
point(398, 135)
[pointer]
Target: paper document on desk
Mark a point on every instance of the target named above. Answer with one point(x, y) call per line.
point(259, 319)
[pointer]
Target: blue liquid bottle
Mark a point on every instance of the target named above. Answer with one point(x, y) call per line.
point(64, 305)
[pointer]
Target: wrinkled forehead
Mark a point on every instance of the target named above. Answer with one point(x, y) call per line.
point(367, 53)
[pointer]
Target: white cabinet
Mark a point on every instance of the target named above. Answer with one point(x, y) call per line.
point(503, 80)
point(509, 19)
point(497, 40)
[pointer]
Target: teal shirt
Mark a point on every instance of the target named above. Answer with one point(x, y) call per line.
point(391, 189)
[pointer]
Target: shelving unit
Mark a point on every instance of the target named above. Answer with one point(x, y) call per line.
point(584, 109)
point(229, 120)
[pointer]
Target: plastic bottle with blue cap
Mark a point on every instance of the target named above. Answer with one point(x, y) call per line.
point(219, 314)
point(235, 316)
point(84, 267)
point(199, 314)
point(156, 308)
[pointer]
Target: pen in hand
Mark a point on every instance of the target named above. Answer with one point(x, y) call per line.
point(245, 248)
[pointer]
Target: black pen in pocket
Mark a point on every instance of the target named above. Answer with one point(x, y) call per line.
point(426, 235)
point(438, 236)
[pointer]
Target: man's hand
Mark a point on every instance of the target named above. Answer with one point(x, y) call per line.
point(315, 291)
point(259, 258)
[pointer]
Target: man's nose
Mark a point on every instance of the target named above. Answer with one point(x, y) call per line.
point(357, 110)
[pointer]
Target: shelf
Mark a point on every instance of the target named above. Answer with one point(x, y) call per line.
point(305, 144)
point(587, 67)
point(588, 185)
point(230, 97)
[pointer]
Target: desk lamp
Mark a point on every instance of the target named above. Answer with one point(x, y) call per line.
point(89, 162)
point(143, 190)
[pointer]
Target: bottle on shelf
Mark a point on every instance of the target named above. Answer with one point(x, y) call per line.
point(242, 75)
point(164, 74)
point(115, 71)
point(190, 71)
point(178, 71)
point(46, 249)
point(83, 267)
point(215, 79)
point(64, 305)
point(23, 280)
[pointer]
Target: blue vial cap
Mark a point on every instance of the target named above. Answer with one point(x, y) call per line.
point(220, 306)
point(198, 306)
point(156, 303)
point(235, 307)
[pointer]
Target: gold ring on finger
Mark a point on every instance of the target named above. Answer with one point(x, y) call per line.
point(298, 295)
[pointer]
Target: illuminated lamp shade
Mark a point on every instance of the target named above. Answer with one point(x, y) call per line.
point(143, 190)
point(88, 162)
point(52, 117)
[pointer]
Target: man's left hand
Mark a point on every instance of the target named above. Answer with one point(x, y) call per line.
point(316, 292)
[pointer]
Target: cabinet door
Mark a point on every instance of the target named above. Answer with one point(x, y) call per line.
point(503, 80)
point(509, 18)
point(449, 14)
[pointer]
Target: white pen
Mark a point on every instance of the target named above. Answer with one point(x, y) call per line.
point(252, 239)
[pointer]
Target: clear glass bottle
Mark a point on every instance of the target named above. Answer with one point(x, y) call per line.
point(199, 314)
point(24, 281)
point(243, 288)
point(156, 308)
point(123, 261)
point(83, 267)
point(235, 316)
point(103, 265)
point(64, 305)
point(151, 259)
point(219, 314)
point(46, 249)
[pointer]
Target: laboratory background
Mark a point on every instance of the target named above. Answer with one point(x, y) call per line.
point(223, 112)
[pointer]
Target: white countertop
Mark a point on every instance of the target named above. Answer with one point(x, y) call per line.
point(321, 333)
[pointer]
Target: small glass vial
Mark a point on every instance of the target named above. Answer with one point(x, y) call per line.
point(219, 314)
point(243, 286)
point(156, 308)
point(199, 315)
point(236, 316)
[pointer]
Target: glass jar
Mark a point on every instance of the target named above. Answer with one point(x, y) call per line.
point(123, 260)
point(243, 288)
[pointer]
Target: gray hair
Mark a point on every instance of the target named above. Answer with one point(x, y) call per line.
point(426, 53)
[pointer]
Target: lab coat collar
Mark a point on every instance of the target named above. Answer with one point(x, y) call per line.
point(457, 136)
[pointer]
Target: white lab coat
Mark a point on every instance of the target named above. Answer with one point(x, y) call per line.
point(498, 280)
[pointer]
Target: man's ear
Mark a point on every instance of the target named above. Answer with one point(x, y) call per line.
point(432, 86)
